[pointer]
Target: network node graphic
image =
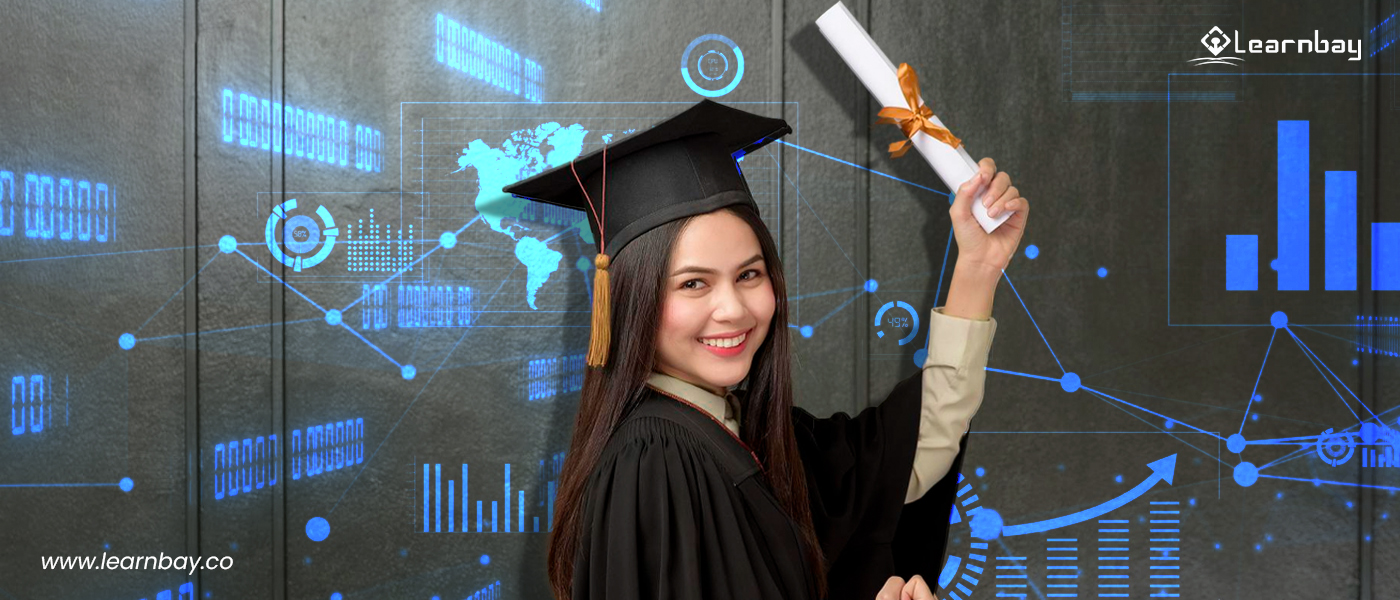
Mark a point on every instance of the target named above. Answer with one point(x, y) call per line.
point(317, 529)
point(961, 571)
point(301, 235)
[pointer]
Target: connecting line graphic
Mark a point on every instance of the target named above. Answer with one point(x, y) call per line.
point(1037, 326)
point(1255, 390)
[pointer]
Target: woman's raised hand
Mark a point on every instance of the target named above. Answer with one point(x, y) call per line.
point(897, 589)
point(977, 248)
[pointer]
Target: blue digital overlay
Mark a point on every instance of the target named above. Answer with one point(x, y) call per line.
point(422, 306)
point(1242, 263)
point(33, 404)
point(465, 50)
point(718, 64)
point(1293, 165)
point(1378, 335)
point(1382, 35)
point(184, 592)
point(546, 377)
point(1339, 224)
point(306, 243)
point(60, 208)
point(964, 569)
point(447, 506)
point(263, 124)
point(254, 463)
point(373, 247)
point(490, 592)
point(549, 214)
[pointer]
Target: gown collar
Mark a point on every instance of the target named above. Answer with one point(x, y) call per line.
point(724, 409)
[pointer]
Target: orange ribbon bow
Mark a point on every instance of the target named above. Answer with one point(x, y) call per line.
point(915, 118)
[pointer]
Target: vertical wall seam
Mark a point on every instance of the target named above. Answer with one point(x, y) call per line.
point(191, 294)
point(277, 58)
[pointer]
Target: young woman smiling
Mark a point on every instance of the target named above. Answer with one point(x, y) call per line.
point(690, 473)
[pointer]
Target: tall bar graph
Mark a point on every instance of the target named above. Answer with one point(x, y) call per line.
point(1292, 263)
point(1385, 256)
point(1339, 197)
point(1340, 229)
point(495, 518)
point(1242, 262)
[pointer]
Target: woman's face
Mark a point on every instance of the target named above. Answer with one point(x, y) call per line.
point(718, 302)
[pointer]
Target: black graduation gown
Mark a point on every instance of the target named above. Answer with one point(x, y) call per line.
point(678, 508)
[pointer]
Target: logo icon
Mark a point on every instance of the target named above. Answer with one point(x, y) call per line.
point(1216, 41)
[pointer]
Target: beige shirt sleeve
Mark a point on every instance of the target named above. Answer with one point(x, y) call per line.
point(954, 377)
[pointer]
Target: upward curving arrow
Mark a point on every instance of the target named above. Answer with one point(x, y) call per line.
point(1162, 470)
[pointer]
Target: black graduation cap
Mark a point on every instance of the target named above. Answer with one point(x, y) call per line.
point(683, 166)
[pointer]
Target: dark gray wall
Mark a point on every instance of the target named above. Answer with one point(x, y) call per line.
point(130, 95)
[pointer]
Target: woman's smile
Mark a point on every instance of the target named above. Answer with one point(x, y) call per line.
point(726, 345)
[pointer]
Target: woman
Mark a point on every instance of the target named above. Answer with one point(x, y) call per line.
point(690, 473)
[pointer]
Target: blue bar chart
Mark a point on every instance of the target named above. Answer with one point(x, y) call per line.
point(443, 513)
point(1340, 229)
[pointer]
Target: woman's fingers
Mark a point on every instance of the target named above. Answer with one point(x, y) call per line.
point(962, 202)
point(892, 589)
point(916, 589)
point(1000, 183)
point(1008, 200)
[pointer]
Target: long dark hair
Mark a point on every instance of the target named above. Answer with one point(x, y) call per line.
point(639, 274)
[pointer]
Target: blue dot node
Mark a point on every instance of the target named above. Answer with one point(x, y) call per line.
point(1278, 320)
point(872, 285)
point(485, 559)
point(806, 331)
point(126, 341)
point(1235, 443)
point(448, 239)
point(336, 596)
point(1117, 479)
point(332, 317)
point(317, 529)
point(1246, 474)
point(227, 244)
point(1032, 251)
point(409, 372)
point(126, 484)
point(981, 471)
point(1069, 382)
point(583, 264)
point(1273, 264)
point(920, 356)
point(1103, 272)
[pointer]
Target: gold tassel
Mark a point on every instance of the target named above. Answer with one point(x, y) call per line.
point(601, 336)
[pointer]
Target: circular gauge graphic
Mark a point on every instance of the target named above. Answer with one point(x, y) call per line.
point(903, 321)
point(712, 65)
point(964, 566)
point(301, 235)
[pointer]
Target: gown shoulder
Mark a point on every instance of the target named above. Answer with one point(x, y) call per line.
point(674, 510)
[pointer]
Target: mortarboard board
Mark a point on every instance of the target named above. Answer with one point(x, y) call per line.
point(683, 166)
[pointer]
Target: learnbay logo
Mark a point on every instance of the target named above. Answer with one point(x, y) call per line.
point(1217, 42)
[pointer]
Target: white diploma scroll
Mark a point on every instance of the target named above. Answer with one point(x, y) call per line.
point(880, 76)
